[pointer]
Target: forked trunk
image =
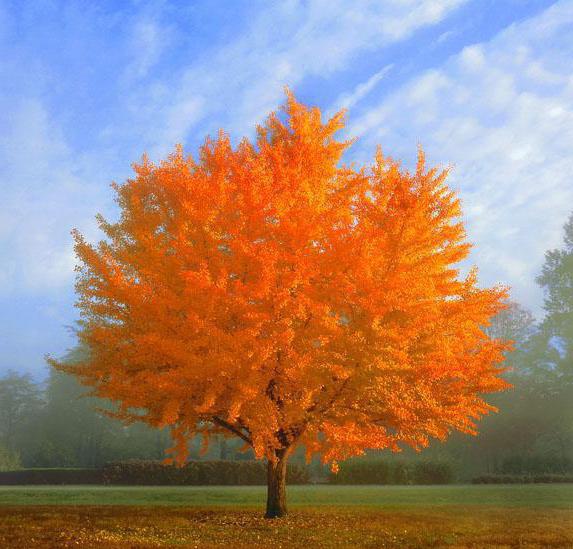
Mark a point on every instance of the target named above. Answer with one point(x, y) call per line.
point(276, 488)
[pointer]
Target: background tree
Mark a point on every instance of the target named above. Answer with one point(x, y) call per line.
point(513, 323)
point(551, 353)
point(9, 459)
point(534, 431)
point(516, 425)
point(55, 424)
point(20, 399)
point(271, 293)
point(556, 279)
point(74, 430)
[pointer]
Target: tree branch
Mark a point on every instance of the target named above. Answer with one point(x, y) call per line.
point(332, 400)
point(230, 427)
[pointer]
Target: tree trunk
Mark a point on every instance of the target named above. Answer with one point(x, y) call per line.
point(276, 488)
point(223, 448)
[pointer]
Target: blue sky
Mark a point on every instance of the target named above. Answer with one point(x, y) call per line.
point(486, 86)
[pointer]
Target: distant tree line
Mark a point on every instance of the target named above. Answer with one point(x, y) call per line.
point(53, 424)
point(533, 431)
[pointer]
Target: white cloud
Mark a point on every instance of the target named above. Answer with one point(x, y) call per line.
point(51, 184)
point(445, 36)
point(348, 100)
point(502, 113)
point(44, 196)
point(148, 42)
point(150, 34)
point(288, 41)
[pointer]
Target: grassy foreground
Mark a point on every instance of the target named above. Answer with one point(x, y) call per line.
point(515, 495)
point(321, 516)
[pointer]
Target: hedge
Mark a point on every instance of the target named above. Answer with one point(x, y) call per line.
point(150, 473)
point(382, 472)
point(521, 479)
point(535, 465)
point(196, 473)
point(51, 476)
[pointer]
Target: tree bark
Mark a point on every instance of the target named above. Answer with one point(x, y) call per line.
point(276, 488)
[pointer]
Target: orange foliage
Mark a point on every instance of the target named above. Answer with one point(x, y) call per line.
point(269, 292)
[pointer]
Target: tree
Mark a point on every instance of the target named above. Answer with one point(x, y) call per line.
point(9, 459)
point(271, 293)
point(518, 424)
point(514, 323)
point(537, 421)
point(74, 430)
point(19, 401)
point(556, 279)
point(552, 349)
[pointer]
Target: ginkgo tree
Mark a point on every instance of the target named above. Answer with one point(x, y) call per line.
point(272, 293)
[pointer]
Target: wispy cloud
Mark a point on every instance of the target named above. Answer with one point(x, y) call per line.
point(148, 41)
point(348, 100)
point(54, 183)
point(45, 194)
point(502, 113)
point(284, 44)
point(87, 88)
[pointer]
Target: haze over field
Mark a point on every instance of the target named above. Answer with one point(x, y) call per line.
point(483, 85)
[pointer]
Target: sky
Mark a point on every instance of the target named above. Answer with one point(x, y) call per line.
point(485, 86)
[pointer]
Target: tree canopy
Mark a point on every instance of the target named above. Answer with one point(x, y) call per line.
point(270, 292)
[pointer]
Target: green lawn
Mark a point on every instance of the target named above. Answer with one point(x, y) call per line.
point(526, 495)
point(456, 517)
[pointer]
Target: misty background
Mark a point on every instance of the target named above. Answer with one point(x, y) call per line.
point(53, 424)
point(485, 86)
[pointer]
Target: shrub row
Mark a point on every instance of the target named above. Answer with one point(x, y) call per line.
point(254, 472)
point(521, 479)
point(535, 465)
point(148, 473)
point(218, 472)
point(51, 476)
point(381, 472)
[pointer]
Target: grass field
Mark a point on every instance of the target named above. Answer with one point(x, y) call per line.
point(320, 516)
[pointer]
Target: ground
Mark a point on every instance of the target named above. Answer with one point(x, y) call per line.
point(320, 516)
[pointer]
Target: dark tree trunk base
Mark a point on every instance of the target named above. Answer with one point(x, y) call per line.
point(276, 489)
